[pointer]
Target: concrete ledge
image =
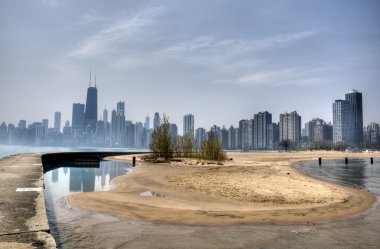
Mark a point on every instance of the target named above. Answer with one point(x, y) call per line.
point(23, 220)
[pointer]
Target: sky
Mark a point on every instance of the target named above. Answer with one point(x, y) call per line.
point(220, 60)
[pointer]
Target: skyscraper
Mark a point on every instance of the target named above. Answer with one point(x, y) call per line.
point(173, 131)
point(200, 137)
point(105, 115)
point(260, 131)
point(120, 122)
point(91, 112)
point(290, 127)
point(45, 124)
point(355, 99)
point(22, 124)
point(146, 123)
point(188, 124)
point(57, 121)
point(245, 134)
point(156, 120)
point(342, 122)
point(77, 121)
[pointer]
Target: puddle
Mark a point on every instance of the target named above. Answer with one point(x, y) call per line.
point(151, 193)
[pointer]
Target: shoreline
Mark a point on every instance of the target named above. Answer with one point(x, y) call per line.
point(191, 192)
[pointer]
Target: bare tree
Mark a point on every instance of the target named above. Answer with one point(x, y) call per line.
point(162, 143)
point(187, 145)
point(212, 148)
point(285, 143)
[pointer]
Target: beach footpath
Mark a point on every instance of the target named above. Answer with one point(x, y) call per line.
point(23, 220)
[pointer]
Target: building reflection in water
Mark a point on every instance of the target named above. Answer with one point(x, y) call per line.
point(93, 179)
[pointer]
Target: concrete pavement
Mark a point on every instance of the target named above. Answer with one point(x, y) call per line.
point(23, 220)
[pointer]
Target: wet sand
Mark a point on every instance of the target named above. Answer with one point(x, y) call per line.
point(252, 188)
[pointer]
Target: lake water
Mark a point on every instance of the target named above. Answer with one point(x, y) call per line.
point(68, 179)
point(358, 173)
point(76, 228)
point(6, 150)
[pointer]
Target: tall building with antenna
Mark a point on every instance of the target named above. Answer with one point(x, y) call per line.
point(91, 112)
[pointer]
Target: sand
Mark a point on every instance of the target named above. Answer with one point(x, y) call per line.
point(251, 188)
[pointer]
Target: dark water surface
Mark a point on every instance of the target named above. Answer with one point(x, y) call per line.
point(358, 173)
point(77, 228)
point(69, 179)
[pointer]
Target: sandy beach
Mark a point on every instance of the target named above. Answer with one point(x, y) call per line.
point(251, 188)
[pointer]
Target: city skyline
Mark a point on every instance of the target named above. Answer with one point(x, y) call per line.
point(235, 62)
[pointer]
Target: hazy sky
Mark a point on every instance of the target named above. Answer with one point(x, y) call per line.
point(220, 60)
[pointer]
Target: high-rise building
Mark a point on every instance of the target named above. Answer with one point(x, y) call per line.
point(232, 138)
point(290, 127)
point(156, 120)
point(174, 131)
point(105, 115)
point(77, 121)
point(260, 132)
point(200, 137)
point(57, 121)
point(342, 122)
point(355, 99)
point(119, 122)
point(139, 132)
point(371, 135)
point(322, 131)
point(91, 112)
point(273, 136)
point(22, 124)
point(130, 134)
point(245, 134)
point(3, 132)
point(188, 124)
point(45, 124)
point(146, 123)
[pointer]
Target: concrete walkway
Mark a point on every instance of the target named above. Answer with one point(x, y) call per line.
point(23, 220)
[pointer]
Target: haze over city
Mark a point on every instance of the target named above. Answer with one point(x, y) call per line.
point(220, 60)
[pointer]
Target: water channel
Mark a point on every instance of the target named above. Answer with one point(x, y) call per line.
point(69, 179)
point(77, 228)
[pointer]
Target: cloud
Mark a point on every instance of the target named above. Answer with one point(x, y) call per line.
point(208, 44)
point(227, 54)
point(282, 77)
point(115, 34)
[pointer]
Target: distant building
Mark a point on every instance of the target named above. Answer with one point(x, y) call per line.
point(273, 136)
point(200, 137)
point(290, 127)
point(188, 124)
point(260, 130)
point(233, 138)
point(174, 130)
point(22, 124)
point(91, 112)
point(246, 134)
point(37, 132)
point(105, 115)
point(139, 132)
point(57, 121)
point(146, 123)
point(45, 123)
point(371, 135)
point(119, 123)
point(223, 135)
point(156, 120)
point(77, 121)
point(342, 122)
point(3, 133)
point(355, 99)
point(130, 134)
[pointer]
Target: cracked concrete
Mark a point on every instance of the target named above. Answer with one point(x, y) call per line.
point(23, 220)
